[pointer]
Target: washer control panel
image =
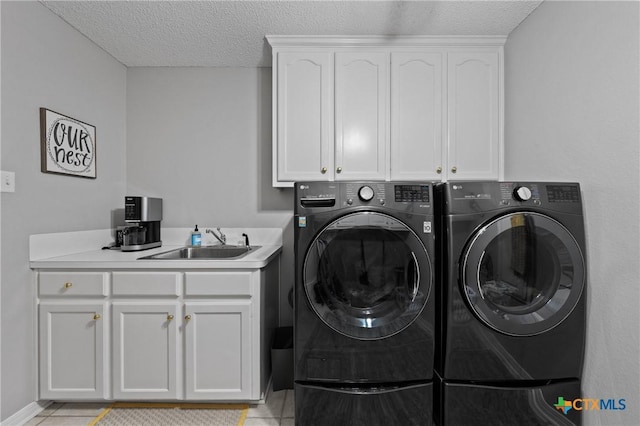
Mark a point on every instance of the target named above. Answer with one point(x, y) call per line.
point(386, 194)
point(412, 193)
point(522, 193)
point(401, 196)
point(365, 193)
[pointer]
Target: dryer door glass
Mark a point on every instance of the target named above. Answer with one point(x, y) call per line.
point(523, 273)
point(367, 275)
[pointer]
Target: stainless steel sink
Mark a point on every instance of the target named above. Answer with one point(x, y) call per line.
point(202, 253)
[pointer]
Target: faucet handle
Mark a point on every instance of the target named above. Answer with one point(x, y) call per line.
point(222, 236)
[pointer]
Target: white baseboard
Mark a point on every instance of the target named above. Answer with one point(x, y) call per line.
point(26, 414)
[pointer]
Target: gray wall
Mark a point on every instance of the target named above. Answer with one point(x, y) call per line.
point(200, 138)
point(572, 114)
point(46, 63)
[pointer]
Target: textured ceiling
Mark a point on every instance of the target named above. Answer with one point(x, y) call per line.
point(231, 33)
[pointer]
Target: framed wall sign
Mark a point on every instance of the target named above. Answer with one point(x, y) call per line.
point(67, 145)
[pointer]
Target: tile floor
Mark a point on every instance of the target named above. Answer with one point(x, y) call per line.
point(277, 411)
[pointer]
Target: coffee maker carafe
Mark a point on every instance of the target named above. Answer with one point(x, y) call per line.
point(143, 216)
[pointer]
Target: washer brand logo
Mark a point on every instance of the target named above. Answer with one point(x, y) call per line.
point(590, 404)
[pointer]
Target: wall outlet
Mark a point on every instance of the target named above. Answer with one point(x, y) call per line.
point(8, 182)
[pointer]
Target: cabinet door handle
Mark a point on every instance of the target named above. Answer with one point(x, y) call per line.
point(97, 317)
point(454, 169)
point(439, 170)
point(187, 318)
point(169, 317)
point(323, 170)
point(339, 170)
point(68, 285)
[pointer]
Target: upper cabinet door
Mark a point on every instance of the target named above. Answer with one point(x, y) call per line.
point(474, 85)
point(361, 115)
point(416, 115)
point(304, 146)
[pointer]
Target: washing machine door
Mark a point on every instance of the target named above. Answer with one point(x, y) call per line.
point(367, 275)
point(523, 273)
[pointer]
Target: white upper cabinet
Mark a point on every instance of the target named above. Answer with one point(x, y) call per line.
point(416, 115)
point(474, 115)
point(375, 108)
point(304, 111)
point(361, 115)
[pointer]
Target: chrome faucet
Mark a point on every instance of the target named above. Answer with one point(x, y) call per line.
point(222, 238)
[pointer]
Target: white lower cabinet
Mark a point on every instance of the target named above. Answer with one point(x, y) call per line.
point(218, 334)
point(145, 331)
point(145, 348)
point(72, 334)
point(220, 312)
point(150, 335)
point(72, 343)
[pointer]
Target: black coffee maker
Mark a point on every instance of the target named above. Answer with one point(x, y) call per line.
point(143, 216)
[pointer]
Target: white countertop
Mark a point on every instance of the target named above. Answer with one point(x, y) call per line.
point(82, 250)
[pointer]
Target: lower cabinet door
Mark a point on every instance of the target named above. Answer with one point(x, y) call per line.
point(145, 350)
point(72, 351)
point(219, 353)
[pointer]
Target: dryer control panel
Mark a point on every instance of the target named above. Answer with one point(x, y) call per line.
point(519, 192)
point(474, 196)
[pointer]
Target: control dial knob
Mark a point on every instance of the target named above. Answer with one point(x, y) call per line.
point(365, 193)
point(522, 193)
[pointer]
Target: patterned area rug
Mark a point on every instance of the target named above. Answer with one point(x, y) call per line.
point(161, 414)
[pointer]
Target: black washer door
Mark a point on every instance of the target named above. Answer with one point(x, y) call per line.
point(523, 273)
point(367, 275)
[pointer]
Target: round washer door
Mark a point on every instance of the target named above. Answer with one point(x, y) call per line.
point(522, 273)
point(367, 275)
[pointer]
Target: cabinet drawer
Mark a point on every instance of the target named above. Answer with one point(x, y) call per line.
point(146, 283)
point(73, 283)
point(218, 283)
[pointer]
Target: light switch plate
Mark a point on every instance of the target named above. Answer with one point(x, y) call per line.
point(8, 182)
